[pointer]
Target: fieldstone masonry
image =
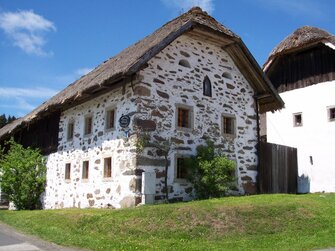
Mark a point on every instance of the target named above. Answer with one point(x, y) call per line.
point(173, 78)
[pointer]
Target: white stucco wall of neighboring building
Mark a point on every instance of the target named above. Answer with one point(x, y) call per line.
point(315, 139)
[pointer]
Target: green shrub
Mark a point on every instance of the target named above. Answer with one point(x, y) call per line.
point(23, 176)
point(212, 174)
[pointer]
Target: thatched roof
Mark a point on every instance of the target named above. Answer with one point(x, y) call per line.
point(301, 38)
point(130, 60)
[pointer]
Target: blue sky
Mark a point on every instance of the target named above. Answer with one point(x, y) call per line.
point(46, 45)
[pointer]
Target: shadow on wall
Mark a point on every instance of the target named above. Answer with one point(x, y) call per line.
point(303, 184)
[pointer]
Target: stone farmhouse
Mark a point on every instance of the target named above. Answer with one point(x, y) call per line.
point(192, 79)
point(302, 69)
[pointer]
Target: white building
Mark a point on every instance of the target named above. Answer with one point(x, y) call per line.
point(302, 68)
point(190, 80)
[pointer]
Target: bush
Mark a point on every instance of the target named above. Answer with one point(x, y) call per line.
point(23, 176)
point(212, 174)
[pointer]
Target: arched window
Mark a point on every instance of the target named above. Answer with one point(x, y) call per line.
point(227, 75)
point(184, 63)
point(207, 87)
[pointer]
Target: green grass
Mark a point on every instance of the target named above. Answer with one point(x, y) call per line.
point(270, 222)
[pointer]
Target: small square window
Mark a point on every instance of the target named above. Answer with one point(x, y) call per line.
point(85, 170)
point(108, 167)
point(297, 119)
point(184, 117)
point(181, 169)
point(228, 125)
point(331, 114)
point(88, 125)
point(67, 171)
point(110, 119)
point(70, 130)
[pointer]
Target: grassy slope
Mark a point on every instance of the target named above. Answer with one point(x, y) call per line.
point(282, 222)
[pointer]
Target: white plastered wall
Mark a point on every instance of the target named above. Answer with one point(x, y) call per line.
point(315, 139)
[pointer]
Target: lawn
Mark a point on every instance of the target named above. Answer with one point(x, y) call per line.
point(270, 222)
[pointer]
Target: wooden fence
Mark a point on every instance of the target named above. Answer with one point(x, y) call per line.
point(278, 171)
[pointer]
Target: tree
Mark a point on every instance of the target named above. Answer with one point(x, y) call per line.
point(3, 120)
point(23, 176)
point(211, 173)
point(10, 119)
point(163, 147)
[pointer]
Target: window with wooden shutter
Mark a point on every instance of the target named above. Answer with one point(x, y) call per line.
point(183, 118)
point(108, 167)
point(228, 125)
point(70, 130)
point(67, 171)
point(88, 125)
point(110, 119)
point(85, 170)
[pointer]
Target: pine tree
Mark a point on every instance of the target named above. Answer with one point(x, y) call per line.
point(3, 120)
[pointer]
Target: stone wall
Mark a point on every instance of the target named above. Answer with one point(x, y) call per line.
point(165, 84)
point(118, 191)
point(151, 102)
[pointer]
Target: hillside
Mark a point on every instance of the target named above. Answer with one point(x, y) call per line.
point(285, 222)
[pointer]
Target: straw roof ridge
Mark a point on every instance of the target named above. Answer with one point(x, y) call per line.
point(123, 64)
point(300, 38)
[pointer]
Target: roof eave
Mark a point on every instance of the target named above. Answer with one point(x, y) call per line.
point(256, 77)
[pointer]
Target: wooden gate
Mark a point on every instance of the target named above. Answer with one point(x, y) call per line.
point(278, 169)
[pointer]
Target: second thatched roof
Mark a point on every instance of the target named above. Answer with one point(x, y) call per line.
point(301, 38)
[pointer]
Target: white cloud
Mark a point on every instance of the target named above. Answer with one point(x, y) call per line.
point(19, 101)
point(26, 29)
point(185, 5)
point(38, 92)
point(83, 71)
point(18, 104)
